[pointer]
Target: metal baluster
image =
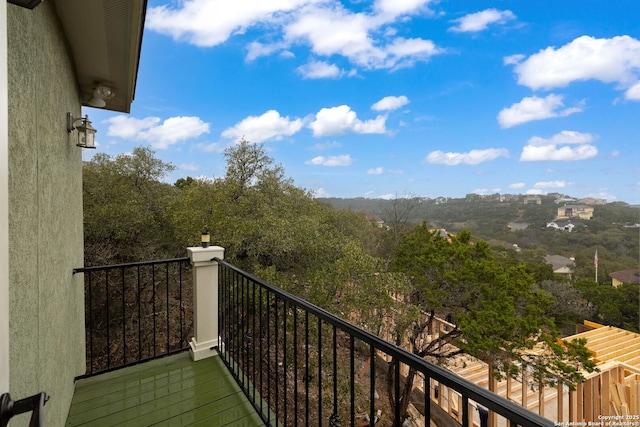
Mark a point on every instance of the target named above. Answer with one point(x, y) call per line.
point(319, 372)
point(124, 324)
point(106, 287)
point(153, 285)
point(352, 371)
point(372, 385)
point(139, 318)
point(334, 420)
point(295, 365)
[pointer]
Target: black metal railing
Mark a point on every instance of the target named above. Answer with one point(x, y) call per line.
point(300, 365)
point(136, 312)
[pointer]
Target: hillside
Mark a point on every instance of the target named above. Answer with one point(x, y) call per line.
point(612, 231)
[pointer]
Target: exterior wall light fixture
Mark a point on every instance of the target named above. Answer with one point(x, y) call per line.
point(86, 132)
point(100, 93)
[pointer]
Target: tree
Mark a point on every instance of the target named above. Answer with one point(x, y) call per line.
point(124, 205)
point(266, 224)
point(247, 165)
point(183, 183)
point(569, 305)
point(497, 314)
point(612, 306)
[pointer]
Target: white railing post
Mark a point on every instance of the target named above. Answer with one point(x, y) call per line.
point(205, 301)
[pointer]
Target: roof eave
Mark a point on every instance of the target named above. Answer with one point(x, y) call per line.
point(105, 39)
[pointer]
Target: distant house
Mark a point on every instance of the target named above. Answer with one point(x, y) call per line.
point(509, 197)
point(441, 232)
point(373, 218)
point(565, 225)
point(560, 264)
point(592, 201)
point(575, 211)
point(564, 200)
point(532, 200)
point(441, 200)
point(517, 226)
point(631, 275)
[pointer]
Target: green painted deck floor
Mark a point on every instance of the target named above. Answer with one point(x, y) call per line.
point(172, 391)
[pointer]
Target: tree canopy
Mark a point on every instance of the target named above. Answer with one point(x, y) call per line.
point(124, 207)
point(498, 314)
point(501, 303)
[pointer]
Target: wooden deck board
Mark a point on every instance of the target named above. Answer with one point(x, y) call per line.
point(168, 391)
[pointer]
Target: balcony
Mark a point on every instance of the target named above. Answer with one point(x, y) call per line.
point(257, 356)
point(172, 390)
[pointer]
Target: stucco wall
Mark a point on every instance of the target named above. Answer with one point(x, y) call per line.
point(4, 211)
point(45, 213)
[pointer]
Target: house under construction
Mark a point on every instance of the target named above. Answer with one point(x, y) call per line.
point(609, 397)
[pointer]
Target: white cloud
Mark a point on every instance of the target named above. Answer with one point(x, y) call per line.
point(320, 192)
point(473, 157)
point(633, 93)
point(210, 23)
point(535, 108)
point(342, 160)
point(205, 179)
point(534, 192)
point(551, 184)
point(513, 59)
point(329, 29)
point(173, 130)
point(214, 147)
point(517, 185)
point(189, 167)
point(401, 53)
point(158, 135)
point(129, 127)
point(319, 70)
point(376, 171)
point(256, 50)
point(559, 147)
point(532, 153)
point(393, 8)
point(486, 191)
point(602, 195)
point(389, 103)
point(614, 60)
point(388, 196)
point(325, 146)
point(342, 119)
point(365, 38)
point(479, 21)
point(563, 137)
point(269, 125)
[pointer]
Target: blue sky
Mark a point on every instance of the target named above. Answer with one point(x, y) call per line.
point(386, 98)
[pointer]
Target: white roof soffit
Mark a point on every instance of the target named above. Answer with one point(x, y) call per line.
point(105, 38)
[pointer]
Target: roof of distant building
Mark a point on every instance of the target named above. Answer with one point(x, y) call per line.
point(631, 275)
point(371, 217)
point(559, 261)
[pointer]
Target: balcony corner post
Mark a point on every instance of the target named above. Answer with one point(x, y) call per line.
point(205, 301)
